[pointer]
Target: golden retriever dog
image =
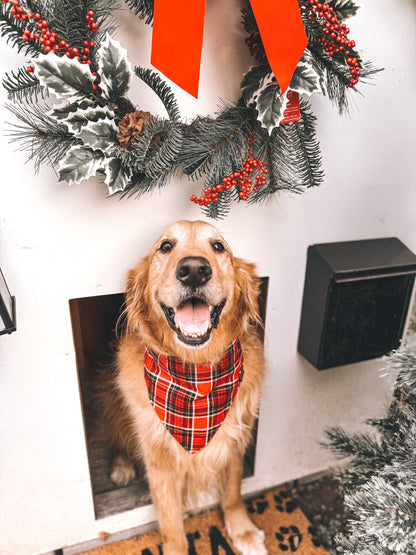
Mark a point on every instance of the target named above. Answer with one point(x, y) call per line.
point(188, 301)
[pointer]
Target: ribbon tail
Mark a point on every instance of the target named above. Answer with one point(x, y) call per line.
point(283, 35)
point(178, 29)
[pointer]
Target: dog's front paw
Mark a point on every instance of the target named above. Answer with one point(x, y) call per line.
point(175, 548)
point(123, 471)
point(249, 542)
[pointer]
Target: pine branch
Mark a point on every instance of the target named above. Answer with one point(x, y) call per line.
point(216, 148)
point(23, 86)
point(209, 141)
point(394, 427)
point(294, 156)
point(44, 138)
point(336, 78)
point(164, 159)
point(163, 91)
point(310, 146)
point(158, 160)
point(153, 158)
point(142, 8)
point(219, 210)
point(139, 185)
point(361, 446)
point(67, 19)
point(12, 29)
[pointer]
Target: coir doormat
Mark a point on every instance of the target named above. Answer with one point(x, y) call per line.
point(286, 527)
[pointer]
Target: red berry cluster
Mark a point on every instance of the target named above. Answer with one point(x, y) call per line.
point(50, 41)
point(335, 37)
point(242, 180)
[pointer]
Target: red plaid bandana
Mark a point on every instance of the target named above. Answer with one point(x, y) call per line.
point(192, 400)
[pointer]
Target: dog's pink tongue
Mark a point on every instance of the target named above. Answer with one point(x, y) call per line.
point(193, 319)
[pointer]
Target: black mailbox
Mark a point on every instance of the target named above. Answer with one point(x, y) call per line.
point(356, 299)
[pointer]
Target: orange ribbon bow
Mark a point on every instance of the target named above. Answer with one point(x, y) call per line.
point(178, 27)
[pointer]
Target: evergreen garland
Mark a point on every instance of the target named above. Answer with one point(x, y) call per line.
point(379, 479)
point(96, 127)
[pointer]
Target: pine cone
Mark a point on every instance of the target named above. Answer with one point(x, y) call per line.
point(131, 125)
point(123, 106)
point(256, 48)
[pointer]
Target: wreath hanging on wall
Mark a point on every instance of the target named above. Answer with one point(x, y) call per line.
point(263, 143)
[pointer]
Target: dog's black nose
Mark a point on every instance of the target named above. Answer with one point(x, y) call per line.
point(193, 271)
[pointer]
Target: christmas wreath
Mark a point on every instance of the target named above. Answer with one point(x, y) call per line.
point(263, 143)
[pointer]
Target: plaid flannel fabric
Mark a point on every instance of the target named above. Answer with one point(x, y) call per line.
point(192, 400)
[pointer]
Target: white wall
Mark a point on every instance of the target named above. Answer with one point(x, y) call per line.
point(59, 242)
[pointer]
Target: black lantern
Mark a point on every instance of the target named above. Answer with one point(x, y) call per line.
point(356, 300)
point(7, 308)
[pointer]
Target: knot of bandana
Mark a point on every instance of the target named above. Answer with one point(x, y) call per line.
point(192, 400)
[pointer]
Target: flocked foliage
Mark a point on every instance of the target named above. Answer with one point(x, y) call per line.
point(85, 133)
point(379, 478)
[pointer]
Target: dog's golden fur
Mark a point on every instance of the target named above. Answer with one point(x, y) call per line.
point(133, 426)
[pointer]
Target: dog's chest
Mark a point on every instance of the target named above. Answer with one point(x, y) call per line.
point(192, 400)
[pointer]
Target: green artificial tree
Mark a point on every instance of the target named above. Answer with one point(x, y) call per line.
point(379, 479)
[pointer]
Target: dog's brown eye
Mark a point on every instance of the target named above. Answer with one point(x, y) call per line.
point(166, 246)
point(218, 246)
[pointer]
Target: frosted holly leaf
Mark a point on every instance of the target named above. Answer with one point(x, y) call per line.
point(114, 69)
point(308, 76)
point(253, 82)
point(270, 106)
point(67, 110)
point(80, 119)
point(99, 135)
point(65, 77)
point(80, 163)
point(345, 8)
point(116, 176)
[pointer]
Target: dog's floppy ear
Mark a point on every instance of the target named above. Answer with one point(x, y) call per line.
point(136, 291)
point(247, 291)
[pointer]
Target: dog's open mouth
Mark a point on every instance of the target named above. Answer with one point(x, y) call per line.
point(193, 320)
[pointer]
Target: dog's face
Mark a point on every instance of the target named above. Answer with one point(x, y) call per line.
point(193, 276)
point(190, 291)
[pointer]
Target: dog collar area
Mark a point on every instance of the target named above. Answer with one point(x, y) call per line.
point(192, 400)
